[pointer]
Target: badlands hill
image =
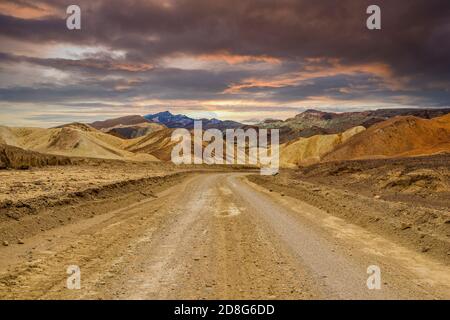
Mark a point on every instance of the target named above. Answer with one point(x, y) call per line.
point(157, 144)
point(313, 122)
point(305, 151)
point(73, 140)
point(128, 127)
point(397, 137)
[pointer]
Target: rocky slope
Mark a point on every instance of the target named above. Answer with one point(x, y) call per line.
point(17, 158)
point(397, 137)
point(304, 151)
point(313, 122)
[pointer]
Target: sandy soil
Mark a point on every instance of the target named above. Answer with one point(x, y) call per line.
point(406, 200)
point(57, 180)
point(214, 235)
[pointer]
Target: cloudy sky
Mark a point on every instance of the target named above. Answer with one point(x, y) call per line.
point(232, 59)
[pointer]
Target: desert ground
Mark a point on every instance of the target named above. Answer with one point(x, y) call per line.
point(157, 231)
point(370, 189)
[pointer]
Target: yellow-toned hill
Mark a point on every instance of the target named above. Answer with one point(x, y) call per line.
point(75, 140)
point(397, 137)
point(305, 151)
point(158, 144)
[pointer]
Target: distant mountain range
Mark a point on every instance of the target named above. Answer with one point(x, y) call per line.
point(181, 121)
point(134, 126)
point(340, 136)
point(304, 125)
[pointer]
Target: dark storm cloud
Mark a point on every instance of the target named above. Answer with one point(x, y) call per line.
point(353, 87)
point(414, 38)
point(414, 45)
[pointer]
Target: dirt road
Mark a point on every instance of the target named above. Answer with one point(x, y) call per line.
point(217, 236)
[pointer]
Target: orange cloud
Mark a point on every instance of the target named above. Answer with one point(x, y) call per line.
point(317, 69)
point(132, 67)
point(236, 58)
point(35, 11)
point(127, 84)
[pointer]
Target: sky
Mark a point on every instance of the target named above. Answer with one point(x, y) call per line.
point(241, 60)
